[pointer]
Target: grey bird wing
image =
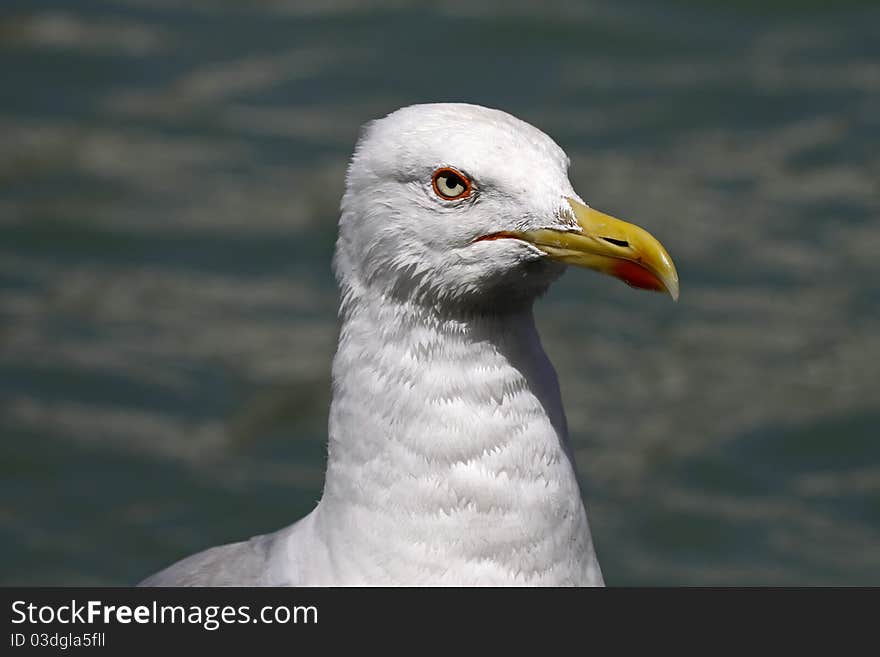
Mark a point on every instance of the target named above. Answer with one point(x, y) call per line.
point(237, 564)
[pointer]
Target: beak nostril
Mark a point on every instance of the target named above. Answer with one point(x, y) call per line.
point(616, 242)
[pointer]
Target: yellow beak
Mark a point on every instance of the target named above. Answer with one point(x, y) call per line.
point(610, 246)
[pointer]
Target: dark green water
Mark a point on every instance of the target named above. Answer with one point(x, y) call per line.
point(169, 182)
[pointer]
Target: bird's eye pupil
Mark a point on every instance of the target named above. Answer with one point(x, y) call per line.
point(453, 181)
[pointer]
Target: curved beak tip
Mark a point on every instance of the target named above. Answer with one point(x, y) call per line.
point(673, 291)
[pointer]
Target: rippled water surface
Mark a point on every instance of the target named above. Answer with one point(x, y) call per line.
point(169, 184)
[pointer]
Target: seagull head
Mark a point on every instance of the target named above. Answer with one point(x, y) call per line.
point(463, 207)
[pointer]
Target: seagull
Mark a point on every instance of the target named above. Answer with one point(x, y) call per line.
point(448, 460)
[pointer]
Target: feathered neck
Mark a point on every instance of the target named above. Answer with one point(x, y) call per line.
point(448, 460)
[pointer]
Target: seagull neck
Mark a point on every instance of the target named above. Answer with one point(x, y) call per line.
point(442, 430)
point(400, 366)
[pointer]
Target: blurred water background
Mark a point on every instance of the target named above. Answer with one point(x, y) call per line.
point(169, 182)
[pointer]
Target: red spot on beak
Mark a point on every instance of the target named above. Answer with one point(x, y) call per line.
point(635, 275)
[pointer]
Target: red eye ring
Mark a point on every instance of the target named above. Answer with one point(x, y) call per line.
point(446, 182)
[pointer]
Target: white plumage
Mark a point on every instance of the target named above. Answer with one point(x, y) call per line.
point(448, 457)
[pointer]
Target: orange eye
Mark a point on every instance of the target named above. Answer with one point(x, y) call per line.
point(450, 184)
